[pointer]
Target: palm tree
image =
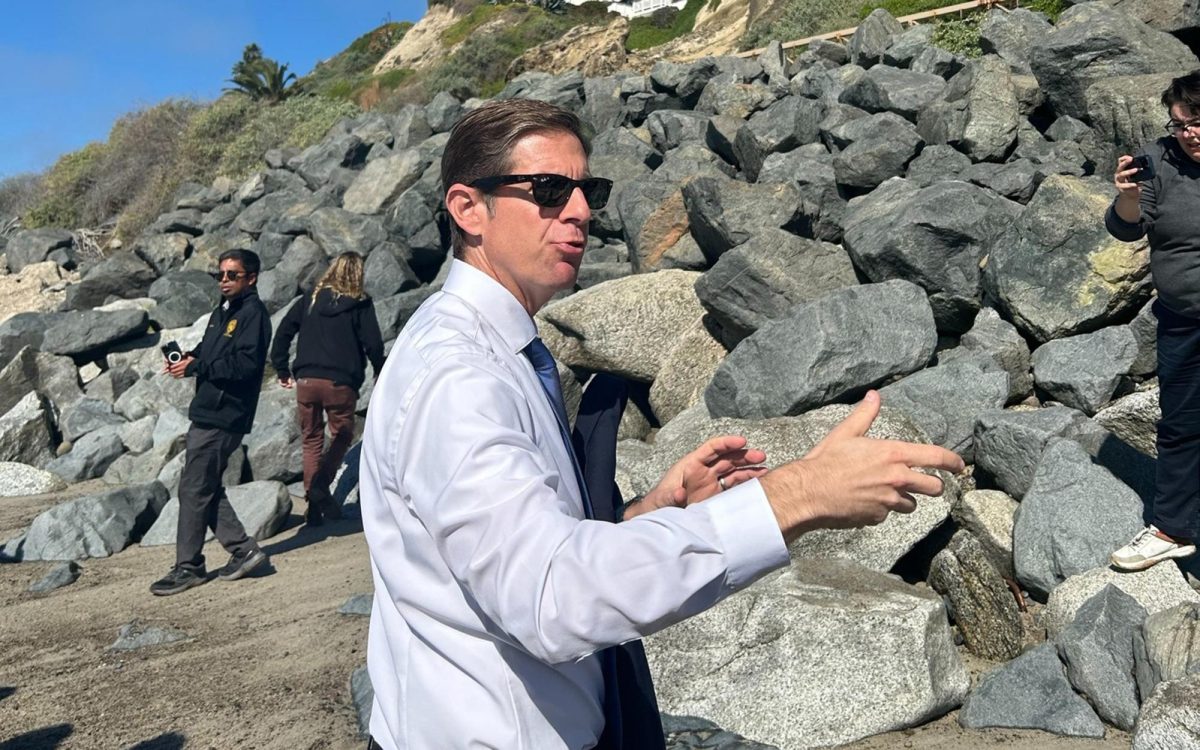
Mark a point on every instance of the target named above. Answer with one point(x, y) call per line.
point(261, 78)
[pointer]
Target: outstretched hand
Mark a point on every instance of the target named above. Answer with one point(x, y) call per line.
point(849, 480)
point(720, 463)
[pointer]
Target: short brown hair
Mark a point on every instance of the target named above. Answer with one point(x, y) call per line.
point(482, 141)
point(1184, 90)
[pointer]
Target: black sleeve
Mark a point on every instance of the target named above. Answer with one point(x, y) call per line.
point(283, 338)
point(369, 337)
point(245, 359)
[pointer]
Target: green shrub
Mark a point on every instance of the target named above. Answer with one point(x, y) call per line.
point(346, 73)
point(210, 132)
point(63, 189)
point(1052, 8)
point(799, 19)
point(900, 8)
point(644, 34)
point(462, 28)
point(299, 122)
point(959, 35)
point(18, 194)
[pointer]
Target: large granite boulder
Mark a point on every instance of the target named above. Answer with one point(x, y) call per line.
point(935, 237)
point(31, 246)
point(1056, 271)
point(1170, 717)
point(624, 326)
point(831, 349)
point(25, 433)
point(1085, 371)
point(978, 113)
point(1155, 589)
point(84, 332)
point(94, 525)
point(1167, 647)
point(877, 654)
point(983, 606)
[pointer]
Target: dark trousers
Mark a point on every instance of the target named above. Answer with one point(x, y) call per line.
point(317, 398)
point(1177, 492)
point(202, 501)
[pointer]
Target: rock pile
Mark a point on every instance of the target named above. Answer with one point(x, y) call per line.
point(783, 235)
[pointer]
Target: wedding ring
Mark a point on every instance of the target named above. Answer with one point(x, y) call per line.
point(721, 482)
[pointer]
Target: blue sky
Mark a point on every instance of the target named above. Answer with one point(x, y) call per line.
point(69, 69)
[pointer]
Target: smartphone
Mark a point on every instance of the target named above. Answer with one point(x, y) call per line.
point(1145, 168)
point(172, 352)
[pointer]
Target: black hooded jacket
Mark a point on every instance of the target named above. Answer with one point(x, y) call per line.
point(229, 365)
point(337, 337)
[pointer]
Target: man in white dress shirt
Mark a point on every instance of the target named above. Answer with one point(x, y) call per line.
point(494, 592)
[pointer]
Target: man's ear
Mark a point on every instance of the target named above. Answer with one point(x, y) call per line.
point(466, 208)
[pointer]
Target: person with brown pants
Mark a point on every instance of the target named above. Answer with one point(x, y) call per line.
point(338, 333)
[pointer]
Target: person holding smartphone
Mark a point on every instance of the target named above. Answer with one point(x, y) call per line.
point(1158, 193)
point(228, 367)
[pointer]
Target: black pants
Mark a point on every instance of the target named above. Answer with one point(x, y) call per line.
point(1177, 493)
point(202, 501)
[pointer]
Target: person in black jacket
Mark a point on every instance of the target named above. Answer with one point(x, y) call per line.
point(228, 367)
point(338, 334)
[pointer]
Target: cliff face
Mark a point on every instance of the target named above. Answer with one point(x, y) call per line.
point(422, 46)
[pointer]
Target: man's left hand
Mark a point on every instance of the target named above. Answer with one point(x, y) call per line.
point(718, 464)
point(178, 369)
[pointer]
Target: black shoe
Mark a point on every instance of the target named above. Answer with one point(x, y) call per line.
point(179, 579)
point(241, 565)
point(312, 516)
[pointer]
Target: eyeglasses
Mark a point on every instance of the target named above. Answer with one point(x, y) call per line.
point(228, 275)
point(1175, 128)
point(552, 190)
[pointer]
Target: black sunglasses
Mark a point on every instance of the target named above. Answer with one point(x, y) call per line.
point(553, 190)
point(229, 275)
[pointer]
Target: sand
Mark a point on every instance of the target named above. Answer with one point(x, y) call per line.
point(267, 664)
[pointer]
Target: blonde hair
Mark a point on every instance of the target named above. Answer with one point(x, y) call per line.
point(344, 277)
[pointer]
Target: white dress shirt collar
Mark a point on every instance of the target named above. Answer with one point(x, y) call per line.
point(503, 312)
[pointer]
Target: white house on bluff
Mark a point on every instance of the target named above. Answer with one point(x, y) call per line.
point(637, 7)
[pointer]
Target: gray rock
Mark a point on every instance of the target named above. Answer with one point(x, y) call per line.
point(886, 89)
point(1011, 34)
point(1055, 272)
point(978, 113)
point(138, 437)
point(358, 605)
point(18, 479)
point(410, 127)
point(339, 231)
point(164, 252)
point(136, 635)
point(733, 98)
point(382, 181)
point(764, 277)
point(1074, 516)
point(988, 516)
point(385, 272)
point(1097, 648)
point(872, 37)
point(684, 80)
point(944, 401)
point(83, 332)
point(905, 47)
point(1145, 331)
point(122, 275)
point(724, 213)
point(672, 128)
point(832, 349)
point(935, 237)
point(362, 697)
point(654, 218)
point(1170, 717)
point(89, 457)
point(790, 122)
point(262, 507)
point(1167, 647)
point(625, 326)
point(63, 574)
point(25, 435)
point(821, 211)
point(692, 159)
point(443, 111)
point(685, 372)
point(94, 525)
point(624, 171)
point(1030, 692)
point(31, 246)
point(1017, 180)
point(317, 163)
point(885, 644)
point(1085, 371)
point(984, 608)
point(305, 263)
point(22, 330)
point(183, 297)
point(1090, 43)
point(1156, 589)
point(181, 220)
point(565, 90)
point(55, 379)
point(876, 147)
point(87, 415)
point(273, 445)
point(992, 335)
point(152, 393)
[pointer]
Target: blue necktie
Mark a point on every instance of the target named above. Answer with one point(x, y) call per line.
point(627, 677)
point(547, 372)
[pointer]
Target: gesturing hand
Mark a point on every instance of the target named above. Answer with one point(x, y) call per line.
point(178, 369)
point(849, 480)
point(700, 474)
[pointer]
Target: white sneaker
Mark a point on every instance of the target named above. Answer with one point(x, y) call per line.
point(1147, 549)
